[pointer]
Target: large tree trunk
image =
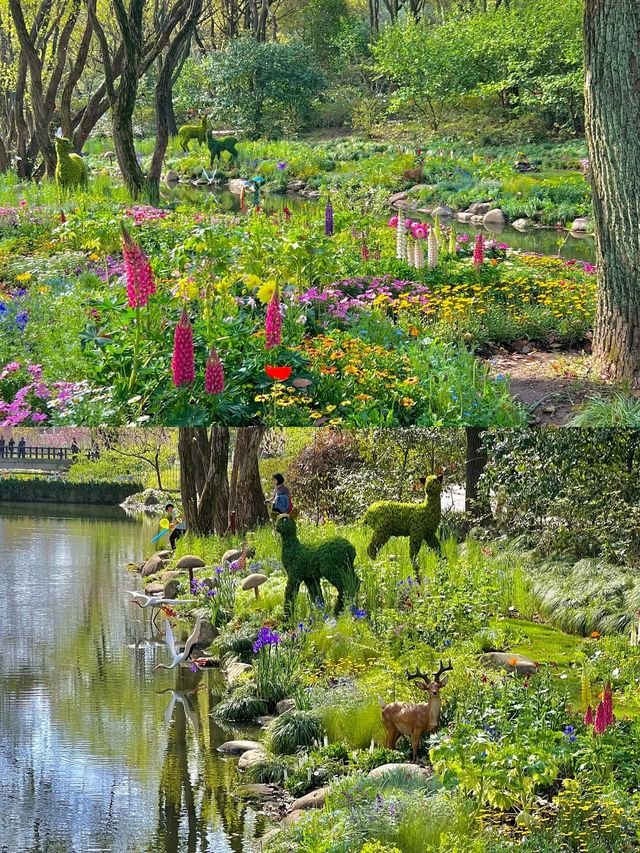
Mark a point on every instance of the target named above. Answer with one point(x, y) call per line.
point(612, 57)
point(476, 461)
point(204, 481)
point(246, 495)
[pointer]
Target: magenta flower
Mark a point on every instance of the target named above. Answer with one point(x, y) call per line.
point(588, 716)
point(183, 361)
point(393, 222)
point(478, 251)
point(214, 374)
point(607, 701)
point(273, 325)
point(600, 724)
point(139, 276)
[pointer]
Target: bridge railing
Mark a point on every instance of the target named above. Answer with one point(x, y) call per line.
point(28, 452)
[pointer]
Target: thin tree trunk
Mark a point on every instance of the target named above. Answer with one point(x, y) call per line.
point(204, 481)
point(475, 504)
point(247, 496)
point(612, 57)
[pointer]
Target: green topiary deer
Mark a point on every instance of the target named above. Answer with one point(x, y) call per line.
point(419, 522)
point(71, 170)
point(218, 144)
point(332, 560)
point(193, 131)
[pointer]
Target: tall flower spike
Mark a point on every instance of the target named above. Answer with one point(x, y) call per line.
point(432, 247)
point(183, 361)
point(328, 219)
point(214, 374)
point(401, 238)
point(138, 273)
point(273, 325)
point(600, 724)
point(478, 251)
point(607, 701)
point(588, 716)
point(452, 241)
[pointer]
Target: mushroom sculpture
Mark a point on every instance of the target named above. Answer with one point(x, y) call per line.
point(253, 582)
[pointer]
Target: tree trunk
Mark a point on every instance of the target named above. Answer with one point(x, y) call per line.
point(475, 504)
point(247, 496)
point(612, 58)
point(204, 481)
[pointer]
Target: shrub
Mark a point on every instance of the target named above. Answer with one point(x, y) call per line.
point(241, 706)
point(292, 730)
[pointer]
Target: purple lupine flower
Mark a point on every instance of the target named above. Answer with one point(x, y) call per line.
point(328, 219)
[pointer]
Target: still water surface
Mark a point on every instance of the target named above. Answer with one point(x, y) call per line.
point(97, 751)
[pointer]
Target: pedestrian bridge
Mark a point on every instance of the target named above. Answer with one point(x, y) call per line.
point(37, 460)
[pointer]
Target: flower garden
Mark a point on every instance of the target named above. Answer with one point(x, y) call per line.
point(329, 312)
point(541, 759)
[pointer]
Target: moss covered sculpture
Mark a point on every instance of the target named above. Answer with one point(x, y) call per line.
point(218, 144)
point(419, 522)
point(332, 560)
point(187, 132)
point(71, 170)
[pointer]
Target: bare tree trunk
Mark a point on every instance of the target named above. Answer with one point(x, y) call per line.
point(204, 481)
point(476, 461)
point(246, 495)
point(612, 57)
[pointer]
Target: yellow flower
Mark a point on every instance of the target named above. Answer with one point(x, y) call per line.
point(266, 291)
point(94, 257)
point(24, 276)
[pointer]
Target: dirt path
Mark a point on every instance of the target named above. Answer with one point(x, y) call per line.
point(552, 386)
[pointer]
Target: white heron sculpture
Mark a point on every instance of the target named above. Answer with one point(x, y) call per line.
point(156, 602)
point(177, 659)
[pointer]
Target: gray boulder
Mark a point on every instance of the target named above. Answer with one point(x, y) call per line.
point(235, 670)
point(464, 216)
point(256, 791)
point(582, 225)
point(443, 212)
point(522, 224)
point(285, 705)
point(313, 800)
point(238, 747)
point(494, 217)
point(396, 197)
point(407, 770)
point(250, 757)
point(207, 634)
point(480, 208)
point(152, 565)
point(171, 588)
point(510, 661)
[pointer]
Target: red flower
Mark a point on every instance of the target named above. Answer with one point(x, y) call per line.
point(588, 716)
point(274, 372)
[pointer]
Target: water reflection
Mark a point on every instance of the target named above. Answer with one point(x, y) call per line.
point(99, 753)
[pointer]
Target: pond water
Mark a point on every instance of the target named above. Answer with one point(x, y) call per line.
point(545, 241)
point(97, 751)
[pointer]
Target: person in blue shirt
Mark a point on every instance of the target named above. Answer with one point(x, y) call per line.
point(281, 500)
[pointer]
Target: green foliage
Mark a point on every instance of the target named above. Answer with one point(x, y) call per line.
point(187, 132)
point(71, 170)
point(241, 706)
point(419, 522)
point(41, 490)
point(263, 88)
point(293, 730)
point(331, 560)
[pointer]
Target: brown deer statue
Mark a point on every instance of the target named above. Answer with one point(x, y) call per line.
point(414, 720)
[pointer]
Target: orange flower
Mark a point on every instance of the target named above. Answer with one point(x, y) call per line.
point(513, 661)
point(595, 635)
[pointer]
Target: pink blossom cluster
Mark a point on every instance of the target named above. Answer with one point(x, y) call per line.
point(360, 294)
point(145, 213)
point(273, 325)
point(183, 362)
point(478, 251)
point(418, 230)
point(138, 272)
point(604, 712)
point(31, 395)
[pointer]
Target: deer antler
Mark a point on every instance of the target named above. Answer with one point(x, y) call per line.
point(442, 670)
point(417, 674)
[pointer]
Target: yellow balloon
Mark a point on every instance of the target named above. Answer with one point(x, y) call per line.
point(164, 523)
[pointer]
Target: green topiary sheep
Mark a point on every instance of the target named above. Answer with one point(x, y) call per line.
point(332, 560)
point(193, 131)
point(417, 521)
point(218, 144)
point(71, 170)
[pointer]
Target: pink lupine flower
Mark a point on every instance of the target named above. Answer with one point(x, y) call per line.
point(393, 222)
point(214, 374)
point(588, 716)
point(140, 281)
point(600, 724)
point(478, 251)
point(183, 361)
point(607, 701)
point(419, 230)
point(273, 325)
